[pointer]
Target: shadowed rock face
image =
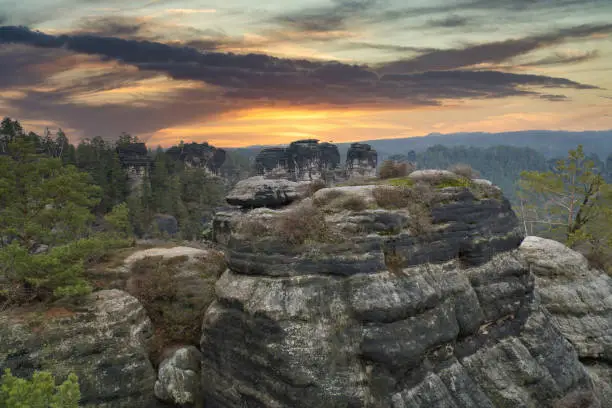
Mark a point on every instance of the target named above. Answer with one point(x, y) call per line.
point(200, 155)
point(135, 159)
point(361, 160)
point(385, 316)
point(580, 301)
point(302, 160)
point(104, 342)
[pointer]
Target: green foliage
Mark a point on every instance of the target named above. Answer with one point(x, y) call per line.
point(401, 182)
point(460, 182)
point(56, 273)
point(101, 161)
point(500, 164)
point(564, 200)
point(39, 392)
point(41, 200)
point(119, 219)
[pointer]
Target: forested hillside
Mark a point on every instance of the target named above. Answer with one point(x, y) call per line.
point(166, 183)
point(500, 164)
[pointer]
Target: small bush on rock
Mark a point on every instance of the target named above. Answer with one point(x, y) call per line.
point(40, 391)
point(391, 169)
point(416, 200)
point(464, 170)
point(54, 274)
point(315, 186)
point(302, 223)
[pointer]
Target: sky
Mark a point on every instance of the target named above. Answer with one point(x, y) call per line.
point(242, 72)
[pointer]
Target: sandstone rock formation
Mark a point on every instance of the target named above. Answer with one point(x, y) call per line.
point(179, 378)
point(433, 175)
point(361, 160)
point(302, 160)
point(580, 302)
point(104, 341)
point(201, 155)
point(134, 157)
point(372, 298)
point(259, 191)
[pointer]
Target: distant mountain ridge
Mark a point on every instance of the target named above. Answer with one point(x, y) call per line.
point(550, 143)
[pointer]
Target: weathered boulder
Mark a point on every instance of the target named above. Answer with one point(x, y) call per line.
point(261, 192)
point(433, 175)
point(483, 182)
point(361, 160)
point(366, 310)
point(580, 302)
point(104, 341)
point(178, 378)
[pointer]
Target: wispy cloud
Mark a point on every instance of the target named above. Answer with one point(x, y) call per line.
point(492, 52)
point(452, 21)
point(261, 77)
point(189, 11)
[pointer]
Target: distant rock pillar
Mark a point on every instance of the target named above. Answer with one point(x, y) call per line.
point(361, 161)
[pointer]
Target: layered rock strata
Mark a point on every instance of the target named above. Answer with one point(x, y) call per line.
point(367, 303)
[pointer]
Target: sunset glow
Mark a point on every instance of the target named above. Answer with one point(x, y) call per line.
point(237, 75)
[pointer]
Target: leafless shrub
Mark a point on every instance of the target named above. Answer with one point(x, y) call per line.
point(315, 186)
point(416, 200)
point(252, 226)
point(391, 197)
point(154, 284)
point(322, 200)
point(464, 170)
point(302, 223)
point(391, 169)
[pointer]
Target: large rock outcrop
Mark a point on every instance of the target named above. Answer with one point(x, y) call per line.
point(580, 301)
point(134, 157)
point(361, 160)
point(302, 160)
point(372, 298)
point(179, 378)
point(259, 191)
point(200, 155)
point(104, 341)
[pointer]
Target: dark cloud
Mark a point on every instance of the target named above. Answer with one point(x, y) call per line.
point(452, 21)
point(517, 6)
point(113, 26)
point(353, 45)
point(560, 59)
point(493, 52)
point(3, 19)
point(240, 81)
point(554, 98)
point(323, 19)
point(287, 79)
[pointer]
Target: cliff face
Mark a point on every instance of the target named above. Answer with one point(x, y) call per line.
point(302, 160)
point(306, 160)
point(384, 297)
point(361, 160)
point(200, 155)
point(104, 341)
point(579, 300)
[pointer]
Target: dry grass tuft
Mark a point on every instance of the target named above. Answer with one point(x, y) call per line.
point(154, 284)
point(464, 170)
point(302, 223)
point(392, 169)
point(416, 200)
